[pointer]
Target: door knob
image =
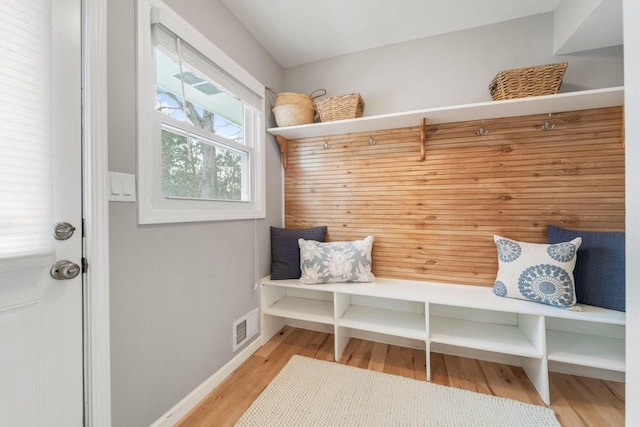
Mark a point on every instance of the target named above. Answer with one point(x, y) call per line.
point(64, 270)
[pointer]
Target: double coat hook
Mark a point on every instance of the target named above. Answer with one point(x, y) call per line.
point(481, 130)
point(548, 125)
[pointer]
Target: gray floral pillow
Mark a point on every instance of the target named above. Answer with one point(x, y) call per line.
point(335, 262)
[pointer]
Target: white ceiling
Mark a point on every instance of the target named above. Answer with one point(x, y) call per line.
point(295, 32)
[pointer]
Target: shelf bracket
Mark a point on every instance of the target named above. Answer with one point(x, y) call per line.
point(283, 143)
point(423, 138)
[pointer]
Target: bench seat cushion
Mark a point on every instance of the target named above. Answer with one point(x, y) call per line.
point(600, 267)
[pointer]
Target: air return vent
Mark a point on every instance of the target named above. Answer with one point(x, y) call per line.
point(245, 328)
point(241, 332)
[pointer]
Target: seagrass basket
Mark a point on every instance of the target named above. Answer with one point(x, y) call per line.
point(527, 81)
point(341, 107)
point(293, 114)
point(285, 98)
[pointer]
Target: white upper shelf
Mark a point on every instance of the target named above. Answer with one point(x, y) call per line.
point(570, 101)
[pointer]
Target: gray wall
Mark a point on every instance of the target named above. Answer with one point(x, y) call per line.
point(452, 69)
point(177, 288)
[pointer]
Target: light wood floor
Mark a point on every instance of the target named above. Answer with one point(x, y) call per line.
point(577, 401)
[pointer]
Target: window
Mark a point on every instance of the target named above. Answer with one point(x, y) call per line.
point(26, 132)
point(200, 126)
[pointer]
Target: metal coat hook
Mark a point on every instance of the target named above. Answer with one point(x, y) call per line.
point(481, 130)
point(371, 140)
point(548, 125)
point(326, 144)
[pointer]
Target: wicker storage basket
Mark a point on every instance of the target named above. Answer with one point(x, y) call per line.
point(285, 98)
point(527, 81)
point(293, 114)
point(340, 107)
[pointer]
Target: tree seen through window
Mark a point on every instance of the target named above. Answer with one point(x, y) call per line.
point(193, 166)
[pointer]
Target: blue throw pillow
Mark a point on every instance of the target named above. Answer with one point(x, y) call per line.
point(285, 252)
point(600, 269)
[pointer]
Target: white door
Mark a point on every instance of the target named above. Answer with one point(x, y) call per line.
point(41, 348)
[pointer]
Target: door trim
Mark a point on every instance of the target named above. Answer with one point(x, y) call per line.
point(97, 371)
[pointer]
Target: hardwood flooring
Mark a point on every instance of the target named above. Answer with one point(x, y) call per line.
point(577, 401)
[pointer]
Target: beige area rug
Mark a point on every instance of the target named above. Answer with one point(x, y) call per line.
point(309, 392)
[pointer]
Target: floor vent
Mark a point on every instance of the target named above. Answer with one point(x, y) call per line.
point(245, 328)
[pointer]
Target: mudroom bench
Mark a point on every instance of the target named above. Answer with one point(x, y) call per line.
point(454, 319)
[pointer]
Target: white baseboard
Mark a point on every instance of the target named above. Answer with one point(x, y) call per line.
point(173, 415)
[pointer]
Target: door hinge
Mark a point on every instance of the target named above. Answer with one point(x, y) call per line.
point(85, 265)
point(82, 228)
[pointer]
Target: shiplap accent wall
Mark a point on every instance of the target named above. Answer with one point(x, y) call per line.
point(435, 220)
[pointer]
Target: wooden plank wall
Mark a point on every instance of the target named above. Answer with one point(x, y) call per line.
point(435, 220)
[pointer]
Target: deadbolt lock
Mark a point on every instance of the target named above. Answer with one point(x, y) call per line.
point(63, 230)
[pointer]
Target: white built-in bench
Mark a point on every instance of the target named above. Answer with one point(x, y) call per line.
point(454, 319)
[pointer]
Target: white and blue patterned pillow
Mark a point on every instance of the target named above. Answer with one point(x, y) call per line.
point(537, 272)
point(335, 262)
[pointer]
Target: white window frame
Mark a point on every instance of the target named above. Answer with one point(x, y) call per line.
point(153, 207)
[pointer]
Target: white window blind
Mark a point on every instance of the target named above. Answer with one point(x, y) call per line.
point(168, 40)
point(25, 128)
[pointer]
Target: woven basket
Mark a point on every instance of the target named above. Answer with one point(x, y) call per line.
point(340, 107)
point(285, 98)
point(527, 81)
point(293, 114)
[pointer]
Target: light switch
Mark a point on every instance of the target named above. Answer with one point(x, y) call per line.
point(116, 185)
point(122, 187)
point(129, 186)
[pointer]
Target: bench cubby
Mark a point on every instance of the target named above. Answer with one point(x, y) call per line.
point(450, 316)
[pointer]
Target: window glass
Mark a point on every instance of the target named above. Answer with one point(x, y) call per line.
point(169, 99)
point(207, 106)
point(195, 167)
